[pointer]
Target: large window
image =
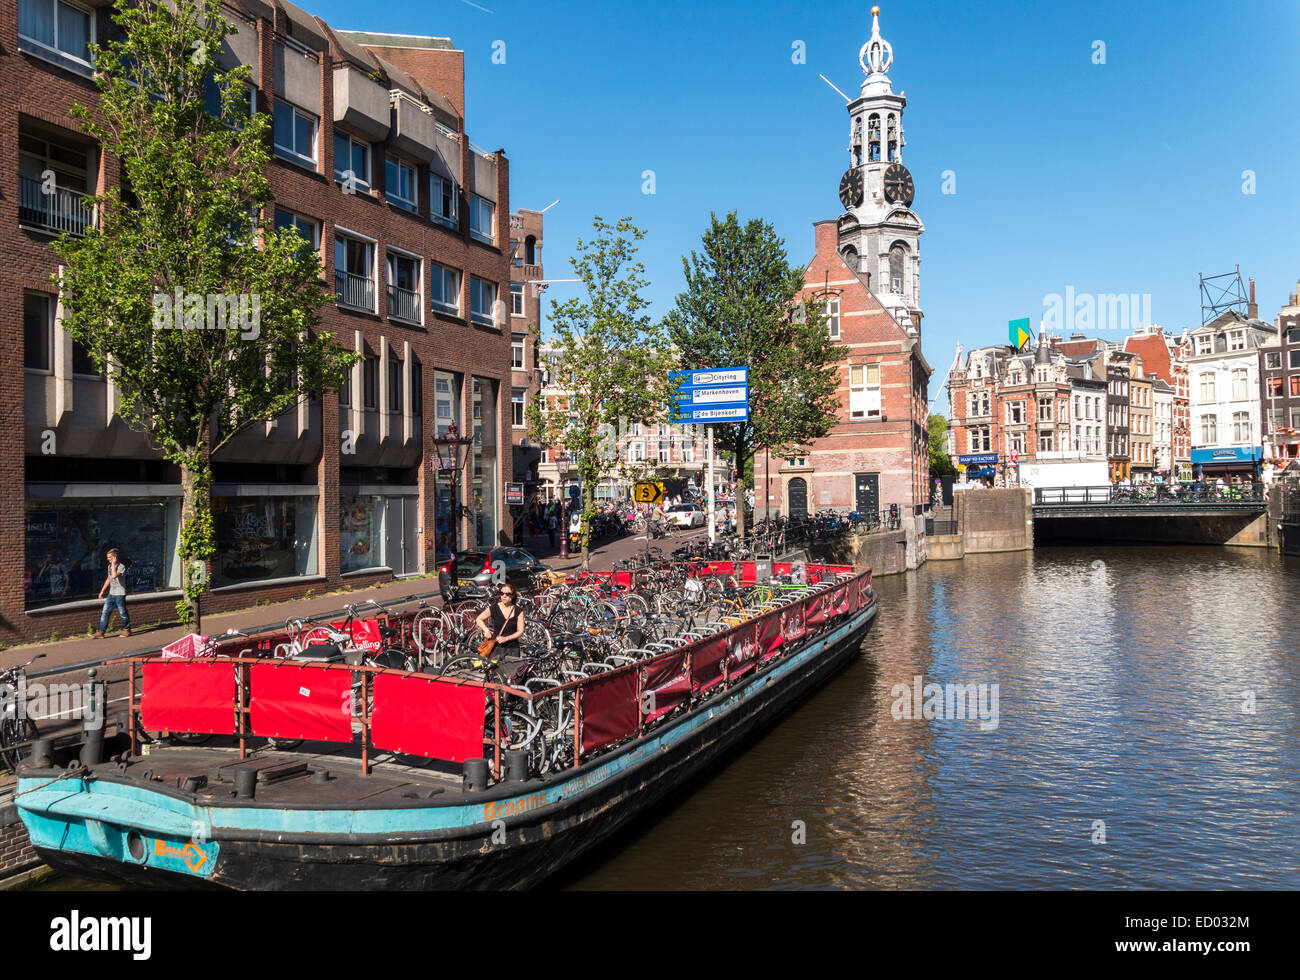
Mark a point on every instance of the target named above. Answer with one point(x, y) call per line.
point(979, 439)
point(1209, 430)
point(295, 134)
point(517, 406)
point(482, 219)
point(979, 403)
point(38, 332)
point(482, 300)
point(1015, 413)
point(351, 161)
point(399, 184)
point(66, 542)
point(444, 289)
point(1273, 360)
point(517, 351)
point(308, 228)
point(864, 391)
point(896, 262)
point(55, 205)
point(442, 200)
point(1239, 384)
point(264, 537)
point(58, 31)
point(1207, 388)
point(404, 287)
point(1241, 427)
point(354, 272)
point(516, 299)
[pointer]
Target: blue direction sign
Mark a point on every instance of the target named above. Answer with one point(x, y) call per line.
point(712, 413)
point(711, 395)
point(711, 376)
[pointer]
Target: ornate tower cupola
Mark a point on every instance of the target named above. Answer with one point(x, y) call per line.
point(879, 235)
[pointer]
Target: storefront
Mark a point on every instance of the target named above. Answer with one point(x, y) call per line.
point(1227, 462)
point(979, 467)
point(377, 528)
point(264, 533)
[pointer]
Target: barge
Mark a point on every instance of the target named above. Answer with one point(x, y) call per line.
point(421, 791)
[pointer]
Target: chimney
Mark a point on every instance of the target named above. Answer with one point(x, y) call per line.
point(1252, 310)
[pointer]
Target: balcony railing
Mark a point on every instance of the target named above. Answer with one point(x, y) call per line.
point(355, 290)
point(404, 304)
point(61, 210)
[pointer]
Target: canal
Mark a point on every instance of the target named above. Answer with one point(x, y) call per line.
point(1145, 736)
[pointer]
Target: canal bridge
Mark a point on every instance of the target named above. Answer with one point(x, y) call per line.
point(1158, 512)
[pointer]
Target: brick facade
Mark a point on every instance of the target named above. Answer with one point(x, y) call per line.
point(379, 446)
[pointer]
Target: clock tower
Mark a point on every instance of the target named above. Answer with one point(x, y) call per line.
point(879, 235)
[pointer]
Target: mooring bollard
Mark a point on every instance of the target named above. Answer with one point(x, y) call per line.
point(92, 746)
point(476, 774)
point(516, 765)
point(246, 783)
point(42, 753)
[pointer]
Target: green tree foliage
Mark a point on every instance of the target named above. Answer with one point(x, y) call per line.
point(605, 355)
point(191, 222)
point(940, 464)
point(740, 308)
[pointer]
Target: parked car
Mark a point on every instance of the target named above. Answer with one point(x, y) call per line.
point(686, 515)
point(481, 570)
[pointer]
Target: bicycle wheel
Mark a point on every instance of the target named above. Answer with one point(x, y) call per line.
point(12, 732)
point(187, 738)
point(522, 731)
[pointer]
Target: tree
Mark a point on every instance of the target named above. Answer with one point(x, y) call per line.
point(940, 464)
point(740, 308)
point(202, 312)
point(605, 354)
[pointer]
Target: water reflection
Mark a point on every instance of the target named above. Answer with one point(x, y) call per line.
point(1125, 681)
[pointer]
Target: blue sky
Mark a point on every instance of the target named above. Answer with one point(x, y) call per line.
point(1123, 177)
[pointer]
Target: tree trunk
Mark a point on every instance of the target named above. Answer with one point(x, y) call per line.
point(189, 507)
point(588, 494)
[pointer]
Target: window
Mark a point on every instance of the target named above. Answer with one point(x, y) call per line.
point(516, 299)
point(635, 452)
point(1275, 417)
point(306, 227)
point(1016, 442)
point(1294, 384)
point(404, 287)
point(295, 135)
point(517, 351)
point(370, 383)
point(351, 162)
point(1236, 340)
point(444, 289)
point(238, 114)
point(1239, 384)
point(1044, 409)
point(896, 269)
point(1295, 418)
point(664, 451)
point(57, 31)
point(399, 184)
point(1241, 427)
point(1293, 359)
point(979, 439)
point(354, 272)
point(1207, 388)
point(833, 318)
point(38, 332)
point(1204, 344)
point(394, 383)
point(482, 215)
point(517, 396)
point(1273, 360)
point(482, 299)
point(979, 403)
point(1045, 442)
point(1209, 430)
point(53, 205)
point(1015, 413)
point(442, 200)
point(82, 363)
point(864, 391)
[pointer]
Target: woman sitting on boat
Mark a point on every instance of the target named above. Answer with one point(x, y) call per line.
point(503, 621)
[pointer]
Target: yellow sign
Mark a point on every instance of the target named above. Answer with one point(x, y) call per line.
point(644, 492)
point(961, 467)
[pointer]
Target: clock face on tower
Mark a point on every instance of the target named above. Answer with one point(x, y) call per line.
point(851, 191)
point(898, 185)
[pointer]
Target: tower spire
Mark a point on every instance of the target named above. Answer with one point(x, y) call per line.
point(876, 57)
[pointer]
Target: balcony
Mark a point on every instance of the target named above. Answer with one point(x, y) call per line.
point(403, 304)
point(355, 290)
point(62, 210)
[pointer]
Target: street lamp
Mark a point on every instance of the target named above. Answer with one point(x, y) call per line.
point(562, 472)
point(447, 459)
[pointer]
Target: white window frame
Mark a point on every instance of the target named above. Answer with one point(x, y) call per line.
point(1241, 427)
point(476, 206)
point(363, 182)
point(291, 153)
point(401, 253)
point(864, 395)
point(55, 54)
point(344, 233)
point(475, 284)
point(436, 269)
point(296, 224)
point(1240, 382)
point(517, 342)
point(406, 204)
point(832, 309)
point(435, 200)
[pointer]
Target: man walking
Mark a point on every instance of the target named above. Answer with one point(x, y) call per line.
point(115, 587)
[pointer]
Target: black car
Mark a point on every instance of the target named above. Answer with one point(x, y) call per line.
point(474, 572)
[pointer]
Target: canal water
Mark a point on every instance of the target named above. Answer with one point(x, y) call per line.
point(1146, 737)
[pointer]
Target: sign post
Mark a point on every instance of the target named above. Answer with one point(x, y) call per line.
point(707, 396)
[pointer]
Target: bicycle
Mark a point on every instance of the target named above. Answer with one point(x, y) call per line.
point(17, 730)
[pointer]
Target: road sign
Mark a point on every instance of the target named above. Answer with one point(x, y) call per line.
point(514, 494)
point(645, 492)
point(712, 413)
point(711, 376)
point(715, 393)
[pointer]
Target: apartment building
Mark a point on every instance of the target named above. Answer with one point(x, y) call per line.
point(1224, 370)
point(374, 166)
point(527, 285)
point(1279, 367)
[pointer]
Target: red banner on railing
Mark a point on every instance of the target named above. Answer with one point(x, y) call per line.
point(816, 611)
point(306, 701)
point(665, 685)
point(437, 719)
point(610, 712)
point(706, 663)
point(189, 696)
point(768, 636)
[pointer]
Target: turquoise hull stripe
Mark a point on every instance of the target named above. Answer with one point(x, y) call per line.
point(57, 815)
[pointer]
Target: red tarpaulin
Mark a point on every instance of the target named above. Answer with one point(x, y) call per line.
point(189, 696)
point(301, 701)
point(432, 718)
point(767, 634)
point(706, 665)
point(745, 650)
point(610, 711)
point(815, 611)
point(665, 685)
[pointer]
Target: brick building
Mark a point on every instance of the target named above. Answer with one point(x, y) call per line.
point(527, 284)
point(350, 488)
point(1279, 369)
point(1140, 422)
point(866, 272)
point(1165, 356)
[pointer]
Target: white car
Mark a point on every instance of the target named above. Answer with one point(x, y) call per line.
point(686, 515)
